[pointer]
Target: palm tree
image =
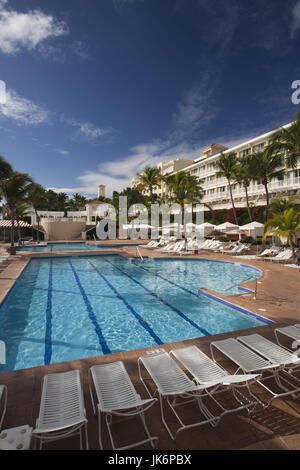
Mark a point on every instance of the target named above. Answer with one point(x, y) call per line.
point(226, 166)
point(15, 189)
point(20, 213)
point(184, 188)
point(62, 201)
point(242, 175)
point(264, 166)
point(5, 169)
point(77, 202)
point(149, 179)
point(37, 198)
point(280, 205)
point(285, 226)
point(287, 141)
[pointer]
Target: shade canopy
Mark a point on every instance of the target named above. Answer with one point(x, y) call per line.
point(206, 225)
point(252, 226)
point(226, 226)
point(254, 229)
point(7, 223)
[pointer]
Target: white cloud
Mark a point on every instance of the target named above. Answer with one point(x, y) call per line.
point(296, 18)
point(26, 30)
point(197, 107)
point(63, 152)
point(79, 49)
point(221, 20)
point(87, 130)
point(117, 175)
point(22, 110)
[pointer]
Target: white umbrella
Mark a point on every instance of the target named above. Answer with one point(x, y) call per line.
point(227, 226)
point(166, 229)
point(255, 228)
point(252, 226)
point(205, 228)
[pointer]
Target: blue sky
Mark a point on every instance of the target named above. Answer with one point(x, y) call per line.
point(97, 89)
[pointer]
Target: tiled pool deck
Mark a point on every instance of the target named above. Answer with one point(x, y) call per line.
point(277, 427)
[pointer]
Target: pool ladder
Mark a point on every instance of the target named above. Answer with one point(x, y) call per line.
point(138, 253)
point(251, 278)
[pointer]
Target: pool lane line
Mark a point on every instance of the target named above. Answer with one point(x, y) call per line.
point(48, 332)
point(167, 280)
point(210, 296)
point(181, 314)
point(91, 313)
point(130, 308)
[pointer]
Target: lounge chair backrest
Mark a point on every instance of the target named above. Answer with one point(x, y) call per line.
point(246, 359)
point(203, 368)
point(166, 374)
point(62, 404)
point(268, 349)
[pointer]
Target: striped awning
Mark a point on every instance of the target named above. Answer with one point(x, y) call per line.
point(7, 223)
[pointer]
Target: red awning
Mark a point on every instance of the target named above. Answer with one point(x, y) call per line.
point(7, 223)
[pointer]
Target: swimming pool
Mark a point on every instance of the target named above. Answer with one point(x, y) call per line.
point(67, 247)
point(62, 309)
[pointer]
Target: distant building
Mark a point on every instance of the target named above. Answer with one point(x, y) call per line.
point(101, 190)
point(216, 190)
point(58, 227)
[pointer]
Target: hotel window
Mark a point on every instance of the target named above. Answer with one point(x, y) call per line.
point(244, 152)
point(259, 147)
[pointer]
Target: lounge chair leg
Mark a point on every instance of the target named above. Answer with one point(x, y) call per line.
point(86, 437)
point(99, 430)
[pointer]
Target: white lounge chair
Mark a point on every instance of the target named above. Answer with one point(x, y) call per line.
point(153, 244)
point(117, 396)
point(3, 399)
point(290, 331)
point(62, 412)
point(268, 252)
point(271, 351)
point(284, 255)
point(178, 249)
point(204, 244)
point(173, 384)
point(170, 247)
point(235, 250)
point(149, 245)
point(206, 372)
point(250, 362)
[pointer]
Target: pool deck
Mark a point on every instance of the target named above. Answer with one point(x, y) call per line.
point(278, 427)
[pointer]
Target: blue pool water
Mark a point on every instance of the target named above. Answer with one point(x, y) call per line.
point(67, 247)
point(76, 307)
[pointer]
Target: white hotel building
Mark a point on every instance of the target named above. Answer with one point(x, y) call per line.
point(216, 191)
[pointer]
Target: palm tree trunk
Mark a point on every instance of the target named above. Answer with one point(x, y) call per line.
point(247, 201)
point(267, 201)
point(232, 202)
point(12, 230)
point(19, 233)
point(292, 245)
point(38, 224)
